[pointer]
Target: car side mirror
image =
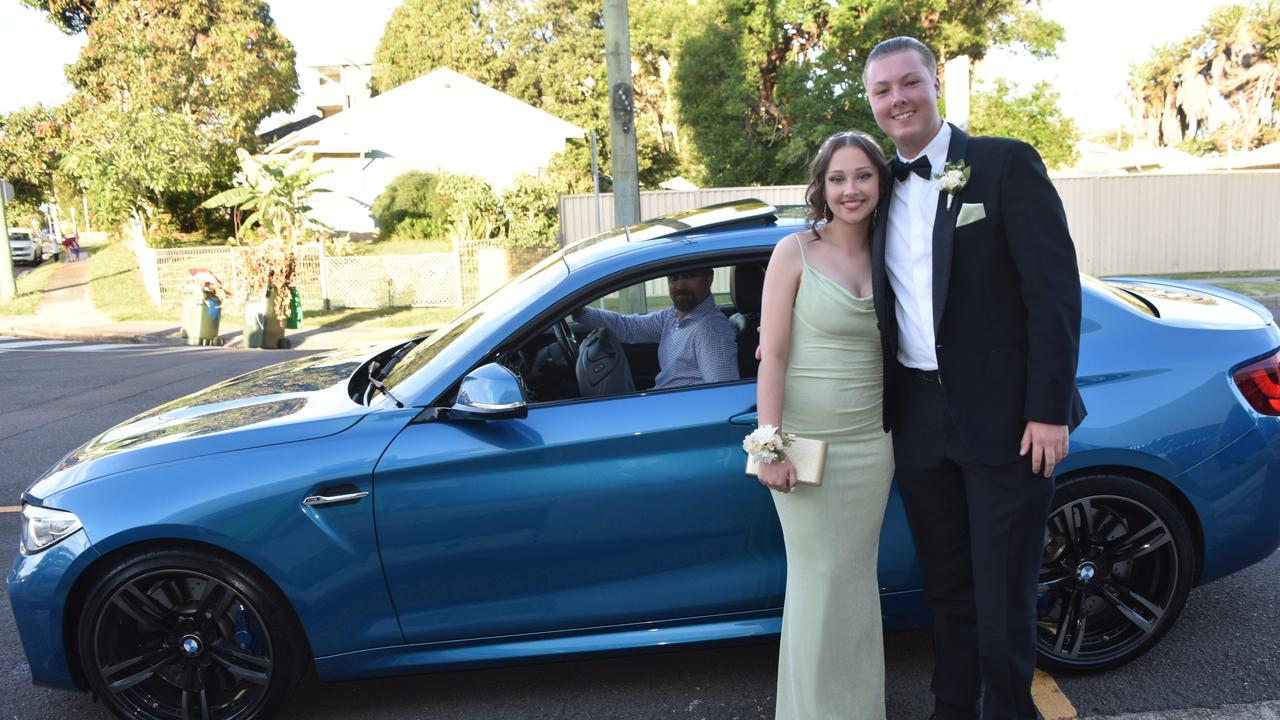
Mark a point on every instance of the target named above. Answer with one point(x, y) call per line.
point(490, 392)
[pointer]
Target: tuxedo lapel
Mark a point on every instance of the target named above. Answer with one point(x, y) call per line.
point(879, 274)
point(944, 229)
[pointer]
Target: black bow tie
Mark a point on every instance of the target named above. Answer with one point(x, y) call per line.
point(919, 166)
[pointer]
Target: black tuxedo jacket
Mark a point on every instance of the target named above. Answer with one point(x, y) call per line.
point(1006, 301)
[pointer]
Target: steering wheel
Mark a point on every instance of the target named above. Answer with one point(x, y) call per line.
point(568, 343)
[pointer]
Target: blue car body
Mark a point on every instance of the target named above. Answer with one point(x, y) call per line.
point(590, 525)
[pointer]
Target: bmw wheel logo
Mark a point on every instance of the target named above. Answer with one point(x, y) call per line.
point(191, 645)
point(1086, 572)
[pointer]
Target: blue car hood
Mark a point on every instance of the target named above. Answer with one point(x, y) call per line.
point(289, 402)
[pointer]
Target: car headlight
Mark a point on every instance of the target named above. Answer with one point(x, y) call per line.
point(44, 527)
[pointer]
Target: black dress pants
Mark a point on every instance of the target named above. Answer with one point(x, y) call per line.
point(979, 532)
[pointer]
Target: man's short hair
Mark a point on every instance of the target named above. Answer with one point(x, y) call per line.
point(695, 272)
point(892, 46)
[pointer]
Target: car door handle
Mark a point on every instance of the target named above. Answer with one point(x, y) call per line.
point(746, 418)
point(322, 500)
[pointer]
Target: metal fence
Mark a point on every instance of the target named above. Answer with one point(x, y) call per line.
point(1125, 224)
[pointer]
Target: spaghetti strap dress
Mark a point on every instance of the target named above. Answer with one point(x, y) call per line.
point(831, 662)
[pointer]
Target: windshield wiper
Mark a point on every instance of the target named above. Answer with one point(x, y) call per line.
point(377, 384)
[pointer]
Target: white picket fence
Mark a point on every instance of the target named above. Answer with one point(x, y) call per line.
point(424, 280)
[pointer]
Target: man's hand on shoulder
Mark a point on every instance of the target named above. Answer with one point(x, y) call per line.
point(1047, 444)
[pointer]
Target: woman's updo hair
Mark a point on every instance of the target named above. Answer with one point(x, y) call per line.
point(815, 201)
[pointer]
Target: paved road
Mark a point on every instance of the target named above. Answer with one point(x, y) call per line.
point(1224, 651)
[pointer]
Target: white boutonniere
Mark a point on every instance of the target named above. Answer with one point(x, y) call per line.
point(767, 444)
point(952, 179)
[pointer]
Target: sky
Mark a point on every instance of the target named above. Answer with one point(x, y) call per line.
point(1103, 38)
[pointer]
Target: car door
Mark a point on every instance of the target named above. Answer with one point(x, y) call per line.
point(584, 514)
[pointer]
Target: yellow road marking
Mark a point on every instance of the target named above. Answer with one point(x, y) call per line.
point(1053, 705)
point(10, 508)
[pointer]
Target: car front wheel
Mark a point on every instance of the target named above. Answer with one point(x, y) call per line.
point(187, 634)
point(1117, 566)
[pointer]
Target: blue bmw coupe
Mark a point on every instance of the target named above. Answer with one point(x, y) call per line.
point(511, 488)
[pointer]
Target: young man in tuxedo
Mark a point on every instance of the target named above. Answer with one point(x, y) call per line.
point(978, 299)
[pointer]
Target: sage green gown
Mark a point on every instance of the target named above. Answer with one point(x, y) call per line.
point(831, 663)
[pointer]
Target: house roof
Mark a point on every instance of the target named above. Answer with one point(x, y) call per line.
point(442, 106)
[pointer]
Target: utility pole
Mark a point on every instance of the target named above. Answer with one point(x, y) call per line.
point(622, 130)
point(8, 286)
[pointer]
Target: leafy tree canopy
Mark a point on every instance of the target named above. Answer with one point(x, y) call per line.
point(72, 16)
point(1033, 117)
point(1217, 88)
point(761, 84)
point(33, 141)
point(164, 94)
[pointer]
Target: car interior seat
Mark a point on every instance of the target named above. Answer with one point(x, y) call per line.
point(602, 367)
point(746, 284)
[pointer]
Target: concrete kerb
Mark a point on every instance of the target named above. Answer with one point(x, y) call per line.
point(1268, 710)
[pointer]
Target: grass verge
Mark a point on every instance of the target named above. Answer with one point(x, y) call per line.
point(1254, 289)
point(1217, 275)
point(116, 289)
point(30, 291)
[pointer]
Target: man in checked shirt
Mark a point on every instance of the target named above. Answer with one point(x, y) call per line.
point(696, 343)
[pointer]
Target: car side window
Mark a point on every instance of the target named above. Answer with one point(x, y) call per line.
point(666, 332)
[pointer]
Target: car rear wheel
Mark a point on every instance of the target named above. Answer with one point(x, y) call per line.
point(1117, 566)
point(187, 634)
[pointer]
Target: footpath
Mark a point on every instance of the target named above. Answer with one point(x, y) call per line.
point(67, 313)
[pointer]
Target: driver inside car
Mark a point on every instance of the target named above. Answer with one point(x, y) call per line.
point(696, 342)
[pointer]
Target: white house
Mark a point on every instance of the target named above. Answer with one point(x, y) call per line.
point(440, 121)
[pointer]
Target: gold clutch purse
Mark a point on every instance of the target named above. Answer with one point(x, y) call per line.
point(809, 457)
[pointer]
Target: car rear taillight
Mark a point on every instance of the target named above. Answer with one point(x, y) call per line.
point(1259, 382)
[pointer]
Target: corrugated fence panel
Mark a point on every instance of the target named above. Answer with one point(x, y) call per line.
point(1251, 220)
point(1128, 224)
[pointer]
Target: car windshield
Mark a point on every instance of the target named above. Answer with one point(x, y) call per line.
point(443, 345)
point(1107, 289)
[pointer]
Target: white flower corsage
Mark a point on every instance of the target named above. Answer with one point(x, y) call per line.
point(952, 179)
point(766, 444)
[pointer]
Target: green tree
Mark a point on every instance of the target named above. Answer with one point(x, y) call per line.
point(72, 16)
point(164, 94)
point(1216, 89)
point(761, 84)
point(33, 142)
point(277, 195)
point(422, 35)
point(531, 213)
point(1033, 117)
point(409, 207)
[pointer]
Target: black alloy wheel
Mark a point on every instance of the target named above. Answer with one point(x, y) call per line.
point(1117, 566)
point(182, 634)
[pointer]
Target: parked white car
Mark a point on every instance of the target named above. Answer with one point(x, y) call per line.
point(24, 248)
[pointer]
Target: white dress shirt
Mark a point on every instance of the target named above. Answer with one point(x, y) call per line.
point(909, 256)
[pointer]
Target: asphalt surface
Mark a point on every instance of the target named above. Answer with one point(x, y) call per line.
point(1224, 652)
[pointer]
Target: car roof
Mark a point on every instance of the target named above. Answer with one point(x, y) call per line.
point(741, 222)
